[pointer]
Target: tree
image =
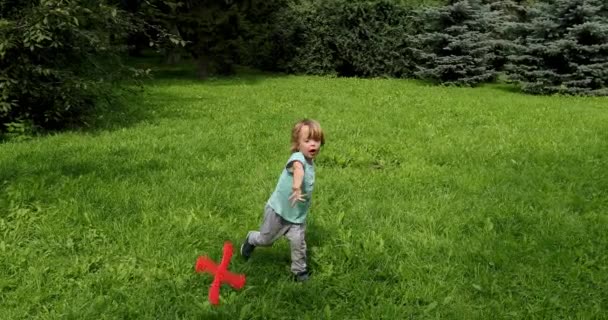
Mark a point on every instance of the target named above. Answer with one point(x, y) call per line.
point(564, 50)
point(267, 40)
point(454, 46)
point(57, 59)
point(344, 37)
point(210, 30)
point(509, 13)
point(137, 40)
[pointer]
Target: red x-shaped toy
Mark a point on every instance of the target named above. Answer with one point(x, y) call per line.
point(221, 274)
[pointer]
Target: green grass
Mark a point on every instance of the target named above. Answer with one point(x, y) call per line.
point(430, 202)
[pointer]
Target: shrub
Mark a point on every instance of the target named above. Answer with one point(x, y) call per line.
point(348, 38)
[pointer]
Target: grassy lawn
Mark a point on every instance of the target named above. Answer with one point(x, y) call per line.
point(430, 202)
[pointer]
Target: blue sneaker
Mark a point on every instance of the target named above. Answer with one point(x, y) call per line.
point(302, 276)
point(247, 248)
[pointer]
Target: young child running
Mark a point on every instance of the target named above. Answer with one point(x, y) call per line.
point(286, 210)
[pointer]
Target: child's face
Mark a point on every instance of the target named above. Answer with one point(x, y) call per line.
point(308, 146)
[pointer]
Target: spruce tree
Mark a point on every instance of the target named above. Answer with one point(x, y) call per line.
point(564, 49)
point(510, 14)
point(454, 46)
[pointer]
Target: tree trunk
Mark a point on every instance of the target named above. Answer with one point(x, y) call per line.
point(173, 55)
point(203, 66)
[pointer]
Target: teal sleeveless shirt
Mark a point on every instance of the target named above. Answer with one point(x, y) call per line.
point(279, 200)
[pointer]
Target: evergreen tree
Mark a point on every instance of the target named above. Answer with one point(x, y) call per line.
point(564, 49)
point(454, 47)
point(510, 14)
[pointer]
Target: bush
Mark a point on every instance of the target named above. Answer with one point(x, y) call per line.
point(564, 50)
point(455, 43)
point(57, 59)
point(342, 37)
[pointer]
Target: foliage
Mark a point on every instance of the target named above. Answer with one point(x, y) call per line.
point(269, 40)
point(508, 13)
point(210, 30)
point(564, 50)
point(57, 59)
point(347, 38)
point(454, 45)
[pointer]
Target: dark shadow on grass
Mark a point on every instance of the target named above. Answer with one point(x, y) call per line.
point(124, 110)
point(135, 105)
point(243, 78)
point(186, 71)
point(129, 106)
point(505, 87)
point(274, 257)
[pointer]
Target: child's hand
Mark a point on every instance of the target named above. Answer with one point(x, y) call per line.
point(296, 196)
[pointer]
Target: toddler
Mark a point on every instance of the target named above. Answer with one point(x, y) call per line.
point(286, 209)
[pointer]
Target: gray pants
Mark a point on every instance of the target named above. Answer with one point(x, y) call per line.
point(273, 227)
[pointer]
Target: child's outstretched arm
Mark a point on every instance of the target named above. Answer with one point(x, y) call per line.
point(298, 177)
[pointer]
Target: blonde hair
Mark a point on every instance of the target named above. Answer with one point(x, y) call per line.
point(314, 132)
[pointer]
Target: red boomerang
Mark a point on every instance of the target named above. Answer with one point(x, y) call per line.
point(221, 273)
